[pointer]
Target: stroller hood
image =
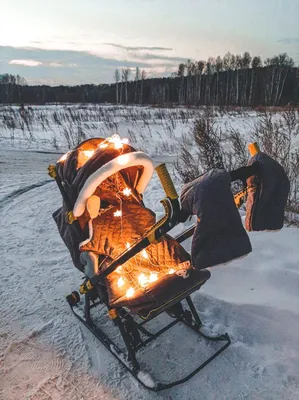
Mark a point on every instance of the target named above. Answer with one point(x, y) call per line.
point(94, 161)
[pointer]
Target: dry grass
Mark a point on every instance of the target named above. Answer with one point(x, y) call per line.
point(228, 150)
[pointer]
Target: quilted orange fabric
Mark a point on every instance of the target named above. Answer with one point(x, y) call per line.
point(112, 235)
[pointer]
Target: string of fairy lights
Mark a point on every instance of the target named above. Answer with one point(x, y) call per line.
point(128, 282)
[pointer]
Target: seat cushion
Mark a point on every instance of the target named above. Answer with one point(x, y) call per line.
point(159, 295)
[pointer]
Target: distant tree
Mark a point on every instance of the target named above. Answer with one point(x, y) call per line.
point(125, 77)
point(189, 67)
point(246, 60)
point(227, 61)
point(189, 91)
point(181, 74)
point(116, 78)
point(283, 60)
point(137, 78)
point(280, 66)
point(280, 60)
point(233, 62)
point(211, 66)
point(12, 86)
point(200, 67)
point(239, 61)
point(286, 61)
point(143, 74)
point(268, 62)
point(210, 69)
point(137, 74)
point(219, 64)
point(12, 79)
point(181, 70)
point(218, 68)
point(143, 77)
point(193, 68)
point(21, 81)
point(256, 62)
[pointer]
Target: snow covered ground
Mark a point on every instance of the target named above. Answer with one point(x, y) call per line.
point(158, 131)
point(46, 354)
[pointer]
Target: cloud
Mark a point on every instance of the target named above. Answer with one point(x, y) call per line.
point(138, 48)
point(150, 57)
point(35, 63)
point(27, 63)
point(61, 66)
point(56, 65)
point(70, 67)
point(290, 41)
point(67, 57)
point(147, 54)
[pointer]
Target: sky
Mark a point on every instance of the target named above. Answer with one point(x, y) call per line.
point(84, 41)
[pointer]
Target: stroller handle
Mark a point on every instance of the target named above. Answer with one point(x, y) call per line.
point(166, 182)
point(253, 149)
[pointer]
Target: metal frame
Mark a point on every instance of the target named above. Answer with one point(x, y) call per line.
point(142, 337)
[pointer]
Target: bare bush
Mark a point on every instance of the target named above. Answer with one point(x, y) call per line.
point(239, 149)
point(208, 147)
point(275, 135)
point(73, 134)
point(187, 167)
point(208, 138)
point(93, 120)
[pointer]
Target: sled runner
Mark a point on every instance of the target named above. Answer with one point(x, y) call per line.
point(130, 264)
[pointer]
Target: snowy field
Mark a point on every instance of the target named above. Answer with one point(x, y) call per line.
point(156, 130)
point(45, 353)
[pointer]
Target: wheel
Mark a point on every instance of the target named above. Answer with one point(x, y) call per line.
point(73, 298)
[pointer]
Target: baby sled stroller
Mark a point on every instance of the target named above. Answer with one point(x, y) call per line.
point(130, 264)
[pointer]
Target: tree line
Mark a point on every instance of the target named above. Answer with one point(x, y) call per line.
point(238, 80)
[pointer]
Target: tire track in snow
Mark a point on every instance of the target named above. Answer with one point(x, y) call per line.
point(19, 192)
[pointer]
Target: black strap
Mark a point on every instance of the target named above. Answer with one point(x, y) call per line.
point(245, 172)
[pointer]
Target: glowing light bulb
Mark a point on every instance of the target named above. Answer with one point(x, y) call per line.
point(88, 153)
point(142, 279)
point(118, 145)
point(153, 277)
point(127, 191)
point(128, 245)
point(117, 141)
point(144, 254)
point(63, 158)
point(119, 269)
point(130, 292)
point(118, 213)
point(120, 282)
point(171, 271)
